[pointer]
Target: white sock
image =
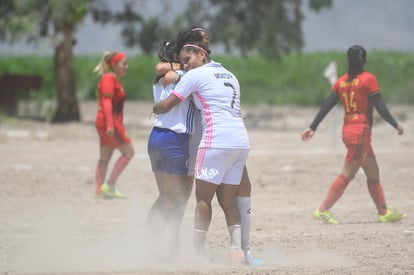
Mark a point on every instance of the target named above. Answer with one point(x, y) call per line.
point(244, 205)
point(235, 236)
point(199, 239)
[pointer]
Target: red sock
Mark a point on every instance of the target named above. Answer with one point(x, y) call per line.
point(335, 192)
point(120, 165)
point(100, 174)
point(377, 195)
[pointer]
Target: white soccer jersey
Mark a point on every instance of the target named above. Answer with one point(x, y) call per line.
point(179, 119)
point(216, 92)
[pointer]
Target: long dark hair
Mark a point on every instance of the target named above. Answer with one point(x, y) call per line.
point(166, 53)
point(190, 37)
point(357, 56)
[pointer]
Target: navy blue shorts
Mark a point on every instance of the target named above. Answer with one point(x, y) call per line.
point(168, 151)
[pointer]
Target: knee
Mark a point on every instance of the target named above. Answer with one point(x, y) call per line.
point(346, 178)
point(203, 207)
point(103, 161)
point(244, 188)
point(129, 154)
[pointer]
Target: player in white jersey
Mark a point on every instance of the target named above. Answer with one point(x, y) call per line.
point(168, 149)
point(224, 147)
point(243, 198)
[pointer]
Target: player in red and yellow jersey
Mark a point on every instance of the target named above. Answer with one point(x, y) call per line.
point(109, 123)
point(358, 92)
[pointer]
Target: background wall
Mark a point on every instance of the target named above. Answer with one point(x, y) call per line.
point(375, 24)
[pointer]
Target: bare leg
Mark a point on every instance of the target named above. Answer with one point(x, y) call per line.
point(338, 187)
point(155, 211)
point(105, 154)
point(127, 152)
point(177, 191)
point(202, 218)
point(226, 196)
point(377, 194)
point(371, 170)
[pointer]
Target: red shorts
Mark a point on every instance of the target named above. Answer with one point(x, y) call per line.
point(358, 151)
point(120, 137)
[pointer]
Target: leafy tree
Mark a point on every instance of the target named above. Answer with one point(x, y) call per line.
point(40, 18)
point(146, 32)
point(270, 27)
point(35, 19)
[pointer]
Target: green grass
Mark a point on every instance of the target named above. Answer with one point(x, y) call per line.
point(296, 79)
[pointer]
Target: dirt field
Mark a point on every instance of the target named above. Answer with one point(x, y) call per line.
point(52, 224)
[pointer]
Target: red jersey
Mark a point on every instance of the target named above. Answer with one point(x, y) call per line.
point(354, 96)
point(109, 86)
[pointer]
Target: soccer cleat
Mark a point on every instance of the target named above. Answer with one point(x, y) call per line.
point(235, 257)
point(102, 196)
point(111, 191)
point(251, 260)
point(325, 216)
point(391, 216)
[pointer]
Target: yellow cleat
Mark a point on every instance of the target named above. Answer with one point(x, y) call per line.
point(111, 191)
point(325, 216)
point(391, 216)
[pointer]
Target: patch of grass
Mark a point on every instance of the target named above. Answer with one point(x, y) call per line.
point(295, 79)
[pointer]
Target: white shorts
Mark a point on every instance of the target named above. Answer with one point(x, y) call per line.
point(221, 165)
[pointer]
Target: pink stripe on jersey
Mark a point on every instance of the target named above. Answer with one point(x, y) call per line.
point(180, 97)
point(208, 120)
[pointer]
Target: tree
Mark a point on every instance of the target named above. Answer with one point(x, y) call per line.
point(41, 18)
point(35, 19)
point(146, 33)
point(63, 17)
point(269, 27)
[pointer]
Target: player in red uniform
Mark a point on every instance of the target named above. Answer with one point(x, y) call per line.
point(358, 92)
point(109, 123)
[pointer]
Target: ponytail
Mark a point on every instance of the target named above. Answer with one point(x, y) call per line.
point(103, 65)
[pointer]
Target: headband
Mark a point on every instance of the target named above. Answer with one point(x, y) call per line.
point(116, 58)
point(196, 46)
point(199, 29)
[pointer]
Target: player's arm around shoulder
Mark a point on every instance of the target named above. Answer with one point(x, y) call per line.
point(166, 104)
point(162, 68)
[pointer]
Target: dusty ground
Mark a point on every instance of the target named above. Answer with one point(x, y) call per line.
point(51, 223)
